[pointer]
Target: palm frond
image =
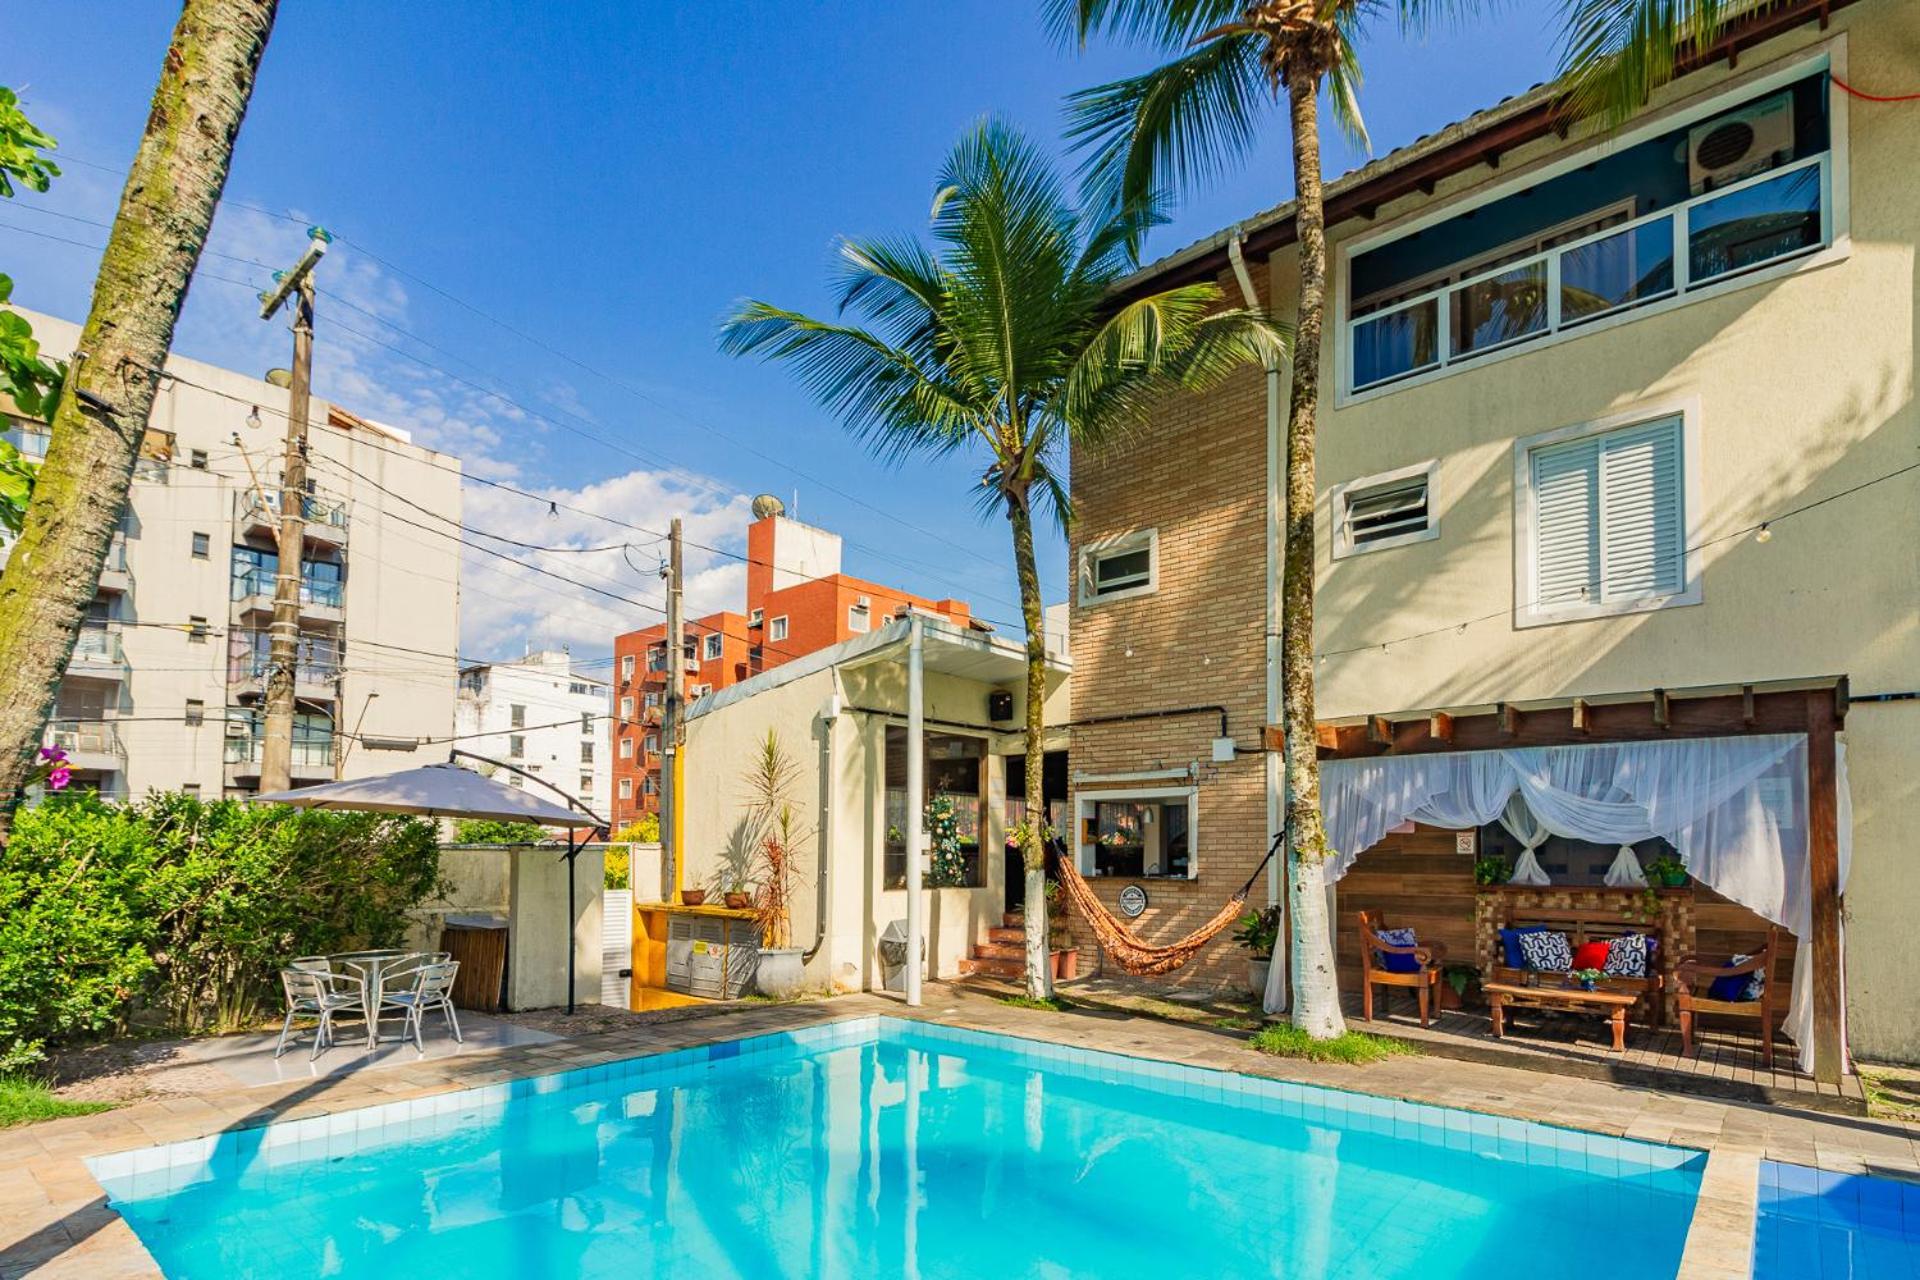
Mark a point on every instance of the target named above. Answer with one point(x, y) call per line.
point(1180, 124)
point(1615, 53)
point(1165, 24)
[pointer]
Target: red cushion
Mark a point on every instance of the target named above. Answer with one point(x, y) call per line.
point(1590, 955)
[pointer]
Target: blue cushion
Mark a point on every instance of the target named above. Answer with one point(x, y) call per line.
point(1510, 944)
point(1738, 986)
point(1391, 961)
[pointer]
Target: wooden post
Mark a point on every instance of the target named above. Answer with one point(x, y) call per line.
point(1823, 852)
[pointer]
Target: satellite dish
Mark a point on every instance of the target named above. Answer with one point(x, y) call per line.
point(767, 505)
point(280, 377)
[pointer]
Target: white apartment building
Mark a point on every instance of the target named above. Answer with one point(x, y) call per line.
point(165, 686)
point(541, 715)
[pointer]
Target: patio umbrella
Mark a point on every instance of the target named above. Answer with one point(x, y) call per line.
point(448, 791)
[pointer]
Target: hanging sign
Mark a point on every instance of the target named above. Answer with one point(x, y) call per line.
point(1133, 900)
point(1466, 842)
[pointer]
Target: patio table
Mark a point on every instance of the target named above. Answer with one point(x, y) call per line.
point(372, 966)
point(1611, 1005)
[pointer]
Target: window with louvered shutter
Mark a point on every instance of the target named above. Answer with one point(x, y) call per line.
point(1608, 520)
point(1384, 511)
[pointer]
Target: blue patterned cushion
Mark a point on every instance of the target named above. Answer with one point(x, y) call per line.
point(1391, 962)
point(1510, 944)
point(1546, 951)
point(1738, 986)
point(1627, 956)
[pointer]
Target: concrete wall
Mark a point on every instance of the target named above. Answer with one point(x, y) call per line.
point(478, 882)
point(537, 928)
point(1802, 384)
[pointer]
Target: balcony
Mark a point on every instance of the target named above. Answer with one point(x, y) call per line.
point(97, 655)
point(321, 599)
point(114, 577)
point(1766, 219)
point(91, 745)
point(312, 758)
point(316, 665)
point(257, 512)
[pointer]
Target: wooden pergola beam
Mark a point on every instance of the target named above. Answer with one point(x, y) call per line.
point(1582, 719)
point(1823, 864)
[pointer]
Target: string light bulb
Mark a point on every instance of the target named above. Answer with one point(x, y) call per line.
point(553, 510)
point(1764, 533)
point(253, 418)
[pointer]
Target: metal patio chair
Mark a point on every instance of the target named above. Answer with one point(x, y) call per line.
point(320, 996)
point(416, 991)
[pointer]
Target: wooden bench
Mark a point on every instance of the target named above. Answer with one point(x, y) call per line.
point(1590, 926)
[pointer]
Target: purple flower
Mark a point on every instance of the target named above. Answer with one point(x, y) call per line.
point(59, 778)
point(56, 754)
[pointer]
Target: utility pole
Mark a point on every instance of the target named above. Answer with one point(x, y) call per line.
point(276, 757)
point(670, 726)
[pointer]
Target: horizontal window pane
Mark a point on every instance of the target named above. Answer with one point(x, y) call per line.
point(1754, 225)
point(1123, 569)
point(1497, 310)
point(1392, 346)
point(1620, 271)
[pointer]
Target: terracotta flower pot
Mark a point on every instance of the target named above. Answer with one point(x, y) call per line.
point(739, 901)
point(1066, 964)
point(693, 897)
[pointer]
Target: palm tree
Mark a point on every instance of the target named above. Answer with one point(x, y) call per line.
point(1003, 336)
point(80, 490)
point(1183, 121)
point(1615, 53)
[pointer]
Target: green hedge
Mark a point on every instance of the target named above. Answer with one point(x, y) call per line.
point(187, 909)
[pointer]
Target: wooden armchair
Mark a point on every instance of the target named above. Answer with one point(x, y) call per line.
point(1425, 980)
point(1695, 978)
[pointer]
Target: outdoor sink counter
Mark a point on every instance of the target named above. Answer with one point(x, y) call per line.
point(876, 1145)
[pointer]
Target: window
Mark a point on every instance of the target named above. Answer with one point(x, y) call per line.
point(1388, 510)
point(700, 691)
point(1649, 217)
point(517, 716)
point(656, 657)
point(1138, 834)
point(716, 644)
point(1115, 568)
point(626, 788)
point(516, 746)
point(586, 722)
point(755, 618)
point(514, 780)
point(626, 748)
point(196, 711)
point(586, 753)
point(777, 629)
point(578, 686)
point(626, 707)
point(586, 784)
point(197, 629)
point(649, 785)
point(197, 459)
point(202, 546)
point(626, 666)
point(650, 699)
point(859, 618)
point(190, 788)
point(1603, 518)
point(955, 779)
point(653, 743)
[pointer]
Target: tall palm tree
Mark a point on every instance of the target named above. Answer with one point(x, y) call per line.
point(1002, 336)
point(80, 490)
point(1230, 61)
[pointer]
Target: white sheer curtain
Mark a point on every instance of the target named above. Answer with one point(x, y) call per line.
point(1733, 808)
point(1531, 833)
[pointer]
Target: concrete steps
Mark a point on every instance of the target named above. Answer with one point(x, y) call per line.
point(1004, 953)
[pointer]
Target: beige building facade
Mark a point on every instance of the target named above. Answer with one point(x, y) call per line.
point(1602, 415)
point(841, 717)
point(165, 688)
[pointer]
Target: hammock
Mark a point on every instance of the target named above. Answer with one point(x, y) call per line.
point(1134, 956)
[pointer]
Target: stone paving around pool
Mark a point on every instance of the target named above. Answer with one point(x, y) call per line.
point(55, 1223)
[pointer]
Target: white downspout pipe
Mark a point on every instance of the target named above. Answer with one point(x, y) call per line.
point(1274, 776)
point(916, 802)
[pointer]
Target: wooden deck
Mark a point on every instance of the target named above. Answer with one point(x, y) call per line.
point(1725, 1063)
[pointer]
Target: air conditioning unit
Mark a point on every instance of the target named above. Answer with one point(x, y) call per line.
point(239, 729)
point(1740, 143)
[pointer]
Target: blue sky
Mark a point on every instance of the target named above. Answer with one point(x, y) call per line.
point(610, 178)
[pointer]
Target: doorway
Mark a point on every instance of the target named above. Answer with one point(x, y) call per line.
point(1054, 788)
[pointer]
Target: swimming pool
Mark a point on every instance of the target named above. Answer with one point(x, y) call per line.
point(875, 1147)
point(1815, 1225)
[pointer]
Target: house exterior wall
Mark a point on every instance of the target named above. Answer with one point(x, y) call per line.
point(839, 789)
point(1800, 385)
point(563, 717)
point(396, 623)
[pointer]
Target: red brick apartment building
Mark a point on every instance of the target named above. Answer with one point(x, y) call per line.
point(798, 602)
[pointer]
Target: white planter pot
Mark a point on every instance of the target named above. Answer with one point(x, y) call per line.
point(1257, 974)
point(780, 973)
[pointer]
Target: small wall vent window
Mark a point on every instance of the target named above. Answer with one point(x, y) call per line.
point(1384, 511)
point(1116, 568)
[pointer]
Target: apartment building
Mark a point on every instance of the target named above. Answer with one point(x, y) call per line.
point(1612, 449)
point(541, 715)
point(798, 603)
point(165, 686)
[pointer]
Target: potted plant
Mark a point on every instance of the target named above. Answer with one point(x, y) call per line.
point(1459, 979)
point(1065, 957)
point(1259, 933)
point(771, 816)
point(1666, 870)
point(1491, 870)
point(1588, 978)
point(738, 897)
point(693, 897)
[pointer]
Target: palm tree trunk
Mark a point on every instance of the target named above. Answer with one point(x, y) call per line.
point(1039, 959)
point(1316, 994)
point(155, 243)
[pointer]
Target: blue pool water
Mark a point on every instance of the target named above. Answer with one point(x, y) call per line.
point(1835, 1226)
point(879, 1148)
